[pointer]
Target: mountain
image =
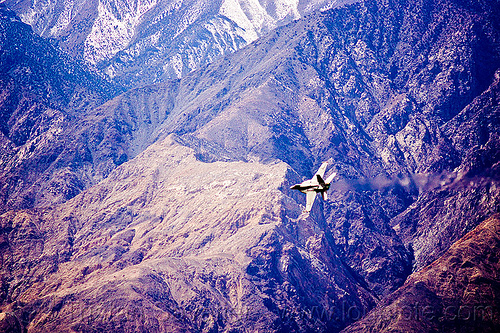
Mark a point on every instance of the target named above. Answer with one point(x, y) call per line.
point(42, 93)
point(194, 245)
point(189, 224)
point(456, 293)
point(143, 42)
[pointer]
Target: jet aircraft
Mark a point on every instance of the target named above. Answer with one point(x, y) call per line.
point(315, 185)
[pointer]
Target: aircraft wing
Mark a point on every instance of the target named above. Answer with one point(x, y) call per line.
point(330, 178)
point(321, 170)
point(310, 196)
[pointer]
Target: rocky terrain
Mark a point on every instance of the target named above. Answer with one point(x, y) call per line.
point(43, 96)
point(183, 220)
point(143, 42)
point(456, 293)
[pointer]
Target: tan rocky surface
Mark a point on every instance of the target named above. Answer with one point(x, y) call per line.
point(167, 241)
point(167, 208)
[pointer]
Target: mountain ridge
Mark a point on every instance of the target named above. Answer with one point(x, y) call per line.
point(455, 293)
point(198, 213)
point(43, 91)
point(139, 43)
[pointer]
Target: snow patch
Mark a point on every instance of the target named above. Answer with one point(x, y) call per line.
point(111, 34)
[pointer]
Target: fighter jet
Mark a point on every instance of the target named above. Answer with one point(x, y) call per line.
point(315, 185)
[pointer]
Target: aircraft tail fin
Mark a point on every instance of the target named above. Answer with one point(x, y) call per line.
point(320, 180)
point(324, 195)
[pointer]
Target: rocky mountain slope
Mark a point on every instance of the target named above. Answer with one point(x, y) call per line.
point(141, 42)
point(190, 224)
point(42, 93)
point(457, 293)
point(194, 245)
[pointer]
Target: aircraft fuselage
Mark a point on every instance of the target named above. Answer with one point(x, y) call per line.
point(309, 186)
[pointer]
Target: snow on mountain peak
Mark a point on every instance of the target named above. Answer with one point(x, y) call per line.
point(138, 40)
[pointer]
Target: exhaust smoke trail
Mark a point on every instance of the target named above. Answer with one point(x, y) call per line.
point(423, 182)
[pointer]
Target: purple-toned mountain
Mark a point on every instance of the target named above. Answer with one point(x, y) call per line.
point(144, 42)
point(457, 293)
point(43, 94)
point(197, 229)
